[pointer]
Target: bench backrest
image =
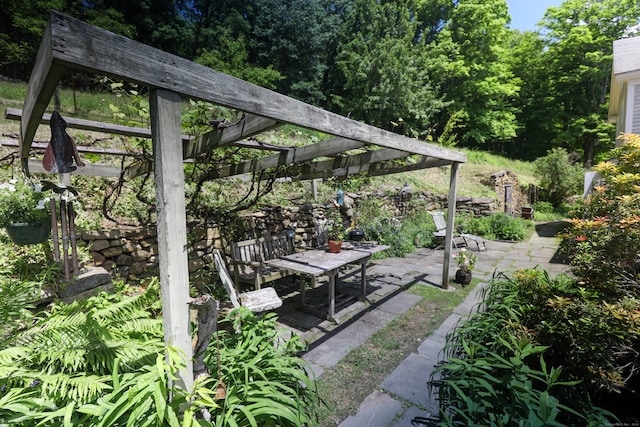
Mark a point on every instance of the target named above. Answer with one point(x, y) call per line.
point(226, 279)
point(262, 249)
point(438, 220)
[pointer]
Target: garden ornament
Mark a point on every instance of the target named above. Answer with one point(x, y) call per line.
point(61, 151)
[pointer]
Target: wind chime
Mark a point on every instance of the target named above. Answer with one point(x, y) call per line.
point(59, 158)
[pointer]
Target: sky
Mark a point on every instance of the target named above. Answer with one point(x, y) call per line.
point(525, 14)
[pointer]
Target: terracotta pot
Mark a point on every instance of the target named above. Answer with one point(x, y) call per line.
point(463, 277)
point(334, 246)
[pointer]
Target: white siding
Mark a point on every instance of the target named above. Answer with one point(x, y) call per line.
point(635, 118)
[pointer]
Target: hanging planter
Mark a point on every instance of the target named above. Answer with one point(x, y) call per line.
point(24, 212)
point(28, 233)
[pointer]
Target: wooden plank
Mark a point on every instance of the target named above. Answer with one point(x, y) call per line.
point(171, 224)
point(92, 49)
point(81, 148)
point(91, 125)
point(451, 217)
point(374, 163)
point(42, 85)
point(89, 169)
point(313, 171)
point(249, 125)
point(328, 147)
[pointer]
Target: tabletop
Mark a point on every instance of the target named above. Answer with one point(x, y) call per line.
point(319, 261)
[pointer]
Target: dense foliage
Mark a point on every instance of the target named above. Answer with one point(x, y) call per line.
point(559, 178)
point(510, 363)
point(452, 72)
point(563, 342)
point(101, 362)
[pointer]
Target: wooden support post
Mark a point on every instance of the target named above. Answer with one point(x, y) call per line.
point(172, 225)
point(451, 217)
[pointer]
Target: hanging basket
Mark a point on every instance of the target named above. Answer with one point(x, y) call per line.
point(463, 277)
point(28, 233)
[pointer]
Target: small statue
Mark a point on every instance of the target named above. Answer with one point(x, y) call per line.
point(61, 151)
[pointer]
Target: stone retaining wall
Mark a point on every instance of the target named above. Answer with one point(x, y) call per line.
point(132, 253)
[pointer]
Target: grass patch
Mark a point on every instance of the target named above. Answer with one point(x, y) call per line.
point(347, 384)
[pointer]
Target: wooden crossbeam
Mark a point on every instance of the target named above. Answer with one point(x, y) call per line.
point(68, 42)
point(343, 168)
point(81, 148)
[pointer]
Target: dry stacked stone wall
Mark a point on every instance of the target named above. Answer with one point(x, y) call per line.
point(132, 253)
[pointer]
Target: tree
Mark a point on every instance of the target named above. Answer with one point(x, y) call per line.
point(579, 37)
point(481, 84)
point(22, 24)
point(288, 35)
point(559, 178)
point(385, 70)
point(535, 132)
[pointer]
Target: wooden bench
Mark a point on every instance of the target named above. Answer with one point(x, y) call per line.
point(257, 301)
point(249, 256)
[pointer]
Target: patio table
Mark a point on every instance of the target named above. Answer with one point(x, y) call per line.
point(317, 262)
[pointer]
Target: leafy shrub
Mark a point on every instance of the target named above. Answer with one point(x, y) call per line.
point(602, 244)
point(507, 227)
point(504, 367)
point(543, 207)
point(498, 226)
point(266, 382)
point(102, 362)
point(559, 178)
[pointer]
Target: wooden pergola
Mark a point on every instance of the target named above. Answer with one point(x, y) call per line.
point(69, 44)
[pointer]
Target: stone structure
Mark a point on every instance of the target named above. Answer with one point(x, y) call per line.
point(132, 253)
point(510, 197)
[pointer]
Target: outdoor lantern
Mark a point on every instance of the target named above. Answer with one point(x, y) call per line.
point(290, 232)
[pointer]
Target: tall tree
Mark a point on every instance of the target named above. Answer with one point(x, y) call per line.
point(384, 70)
point(481, 85)
point(289, 35)
point(579, 36)
point(535, 130)
point(22, 23)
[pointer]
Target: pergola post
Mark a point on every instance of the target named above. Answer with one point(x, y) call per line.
point(451, 217)
point(166, 129)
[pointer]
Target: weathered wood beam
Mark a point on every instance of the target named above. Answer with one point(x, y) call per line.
point(92, 49)
point(91, 125)
point(81, 148)
point(324, 148)
point(89, 169)
point(42, 84)
point(451, 217)
point(343, 167)
point(172, 226)
point(248, 125)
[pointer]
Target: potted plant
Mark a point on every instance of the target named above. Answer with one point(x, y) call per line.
point(466, 260)
point(24, 213)
point(335, 231)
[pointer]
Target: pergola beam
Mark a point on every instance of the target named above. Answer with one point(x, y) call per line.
point(72, 43)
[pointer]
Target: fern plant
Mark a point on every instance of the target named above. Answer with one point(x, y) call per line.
point(69, 352)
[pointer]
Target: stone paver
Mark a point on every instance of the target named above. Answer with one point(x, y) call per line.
point(404, 394)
